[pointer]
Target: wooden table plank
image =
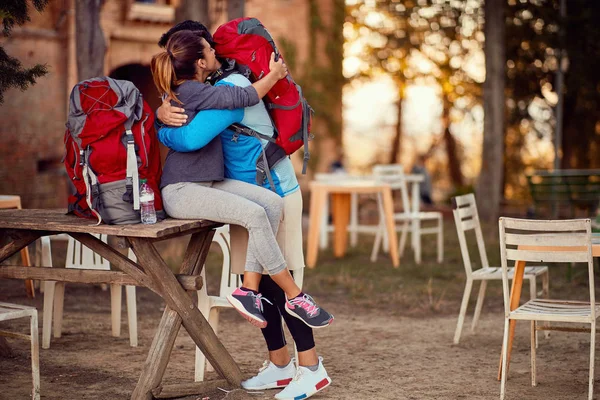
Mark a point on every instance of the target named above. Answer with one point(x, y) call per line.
point(58, 221)
point(89, 276)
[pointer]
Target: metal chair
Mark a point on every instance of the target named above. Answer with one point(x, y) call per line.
point(551, 241)
point(466, 218)
point(13, 311)
point(394, 176)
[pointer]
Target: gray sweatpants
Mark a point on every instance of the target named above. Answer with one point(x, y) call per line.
point(238, 203)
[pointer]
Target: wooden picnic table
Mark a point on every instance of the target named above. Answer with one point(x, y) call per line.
point(19, 228)
point(517, 285)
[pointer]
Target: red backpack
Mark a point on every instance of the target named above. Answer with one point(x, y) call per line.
point(110, 143)
point(248, 42)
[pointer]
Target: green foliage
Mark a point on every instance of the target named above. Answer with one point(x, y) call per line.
point(289, 51)
point(533, 50)
point(12, 73)
point(323, 80)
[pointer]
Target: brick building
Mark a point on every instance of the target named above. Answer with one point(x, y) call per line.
point(31, 143)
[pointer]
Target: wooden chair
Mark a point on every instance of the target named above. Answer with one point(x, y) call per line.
point(14, 311)
point(210, 306)
point(466, 218)
point(394, 176)
point(551, 241)
point(81, 257)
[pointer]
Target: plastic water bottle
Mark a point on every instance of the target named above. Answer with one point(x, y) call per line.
point(147, 203)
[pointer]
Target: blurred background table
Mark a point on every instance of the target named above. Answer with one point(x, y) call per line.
point(341, 191)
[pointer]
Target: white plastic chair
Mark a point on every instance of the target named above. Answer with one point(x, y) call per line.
point(210, 306)
point(407, 219)
point(550, 242)
point(13, 311)
point(466, 218)
point(81, 257)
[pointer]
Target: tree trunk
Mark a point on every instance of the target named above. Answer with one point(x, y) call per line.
point(195, 10)
point(453, 158)
point(396, 150)
point(235, 9)
point(89, 39)
point(489, 186)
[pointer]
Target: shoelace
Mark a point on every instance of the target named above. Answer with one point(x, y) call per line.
point(300, 370)
point(298, 374)
point(264, 366)
point(258, 299)
point(307, 303)
point(267, 362)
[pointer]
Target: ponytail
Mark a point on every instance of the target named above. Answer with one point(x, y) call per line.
point(178, 62)
point(163, 74)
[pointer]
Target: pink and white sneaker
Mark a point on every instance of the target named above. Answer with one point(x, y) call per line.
point(305, 383)
point(270, 376)
point(249, 305)
point(306, 310)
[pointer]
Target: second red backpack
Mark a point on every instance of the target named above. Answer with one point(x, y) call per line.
point(110, 144)
point(249, 43)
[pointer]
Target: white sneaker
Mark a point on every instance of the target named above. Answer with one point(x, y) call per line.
point(305, 383)
point(270, 376)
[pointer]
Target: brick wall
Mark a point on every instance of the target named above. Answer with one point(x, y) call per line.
point(31, 143)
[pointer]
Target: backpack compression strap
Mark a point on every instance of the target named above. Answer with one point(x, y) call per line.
point(262, 164)
point(132, 185)
point(92, 194)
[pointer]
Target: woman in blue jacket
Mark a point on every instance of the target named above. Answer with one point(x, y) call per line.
point(240, 153)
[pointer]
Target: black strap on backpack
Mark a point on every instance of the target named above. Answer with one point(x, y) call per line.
point(272, 153)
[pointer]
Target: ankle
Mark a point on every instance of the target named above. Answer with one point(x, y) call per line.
point(293, 295)
point(247, 289)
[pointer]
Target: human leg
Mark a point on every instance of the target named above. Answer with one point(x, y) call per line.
point(253, 256)
point(279, 370)
point(193, 200)
point(226, 202)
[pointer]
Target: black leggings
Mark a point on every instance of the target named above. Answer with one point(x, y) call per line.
point(273, 333)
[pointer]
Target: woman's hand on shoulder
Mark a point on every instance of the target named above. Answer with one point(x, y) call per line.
point(278, 68)
point(170, 115)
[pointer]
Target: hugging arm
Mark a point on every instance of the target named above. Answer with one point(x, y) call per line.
point(204, 97)
point(205, 126)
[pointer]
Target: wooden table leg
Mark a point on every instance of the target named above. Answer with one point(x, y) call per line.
point(29, 288)
point(12, 241)
point(340, 208)
point(318, 197)
point(515, 298)
point(390, 223)
point(181, 309)
point(168, 328)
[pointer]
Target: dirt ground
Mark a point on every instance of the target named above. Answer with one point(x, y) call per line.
point(367, 354)
point(391, 339)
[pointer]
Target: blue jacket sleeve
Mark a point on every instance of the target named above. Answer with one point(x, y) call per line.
point(205, 126)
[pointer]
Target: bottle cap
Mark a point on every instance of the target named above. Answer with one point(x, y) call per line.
point(142, 181)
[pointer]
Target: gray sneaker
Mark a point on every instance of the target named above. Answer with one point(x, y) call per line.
point(249, 305)
point(305, 309)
